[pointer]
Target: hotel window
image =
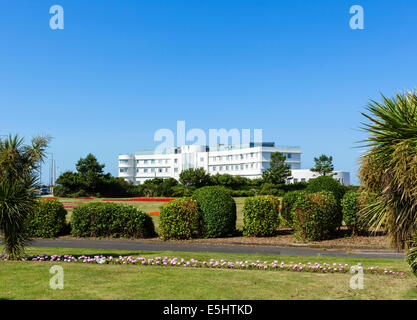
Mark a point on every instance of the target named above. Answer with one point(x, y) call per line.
point(175, 169)
point(160, 169)
point(237, 167)
point(175, 161)
point(160, 160)
point(145, 170)
point(220, 168)
point(303, 180)
point(123, 161)
point(153, 170)
point(201, 159)
point(152, 161)
point(145, 161)
point(295, 180)
point(123, 169)
point(166, 161)
point(214, 168)
point(289, 156)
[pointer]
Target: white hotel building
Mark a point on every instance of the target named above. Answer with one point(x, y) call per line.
point(246, 160)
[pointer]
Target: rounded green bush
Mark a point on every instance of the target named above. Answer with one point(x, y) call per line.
point(218, 210)
point(106, 219)
point(412, 255)
point(180, 219)
point(350, 209)
point(316, 216)
point(47, 220)
point(261, 216)
point(288, 201)
point(326, 183)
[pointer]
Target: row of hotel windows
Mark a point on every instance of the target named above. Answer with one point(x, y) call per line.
point(234, 167)
point(251, 155)
point(150, 161)
point(148, 170)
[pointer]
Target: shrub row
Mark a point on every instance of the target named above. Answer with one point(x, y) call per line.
point(47, 220)
point(98, 219)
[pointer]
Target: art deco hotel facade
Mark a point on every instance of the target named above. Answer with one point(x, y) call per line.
point(247, 160)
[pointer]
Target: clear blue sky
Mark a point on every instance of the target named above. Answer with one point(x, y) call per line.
point(120, 70)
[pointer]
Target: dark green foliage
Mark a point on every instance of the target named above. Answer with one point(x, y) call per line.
point(296, 186)
point(194, 177)
point(182, 191)
point(271, 189)
point(287, 204)
point(326, 183)
point(412, 254)
point(242, 193)
point(261, 216)
point(351, 212)
point(278, 170)
point(316, 216)
point(218, 211)
point(180, 219)
point(229, 181)
point(323, 165)
point(158, 187)
point(106, 219)
point(90, 180)
point(47, 220)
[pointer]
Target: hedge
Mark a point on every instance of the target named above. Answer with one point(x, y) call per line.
point(316, 216)
point(107, 219)
point(218, 211)
point(351, 209)
point(180, 219)
point(326, 183)
point(261, 216)
point(288, 201)
point(47, 220)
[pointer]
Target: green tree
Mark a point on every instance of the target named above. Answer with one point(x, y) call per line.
point(278, 171)
point(388, 167)
point(19, 165)
point(194, 177)
point(323, 165)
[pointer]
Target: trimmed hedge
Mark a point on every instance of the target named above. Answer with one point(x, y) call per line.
point(107, 219)
point(286, 207)
point(180, 219)
point(47, 220)
point(316, 216)
point(218, 210)
point(350, 210)
point(326, 183)
point(261, 216)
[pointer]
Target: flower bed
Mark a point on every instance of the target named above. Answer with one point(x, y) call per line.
point(141, 199)
point(214, 264)
point(156, 213)
point(84, 198)
point(53, 198)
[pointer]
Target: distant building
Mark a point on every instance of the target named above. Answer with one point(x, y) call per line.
point(246, 160)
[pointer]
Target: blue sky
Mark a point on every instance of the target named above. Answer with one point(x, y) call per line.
point(120, 70)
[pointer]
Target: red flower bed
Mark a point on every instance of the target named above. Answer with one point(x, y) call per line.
point(156, 213)
point(141, 199)
point(49, 198)
point(84, 198)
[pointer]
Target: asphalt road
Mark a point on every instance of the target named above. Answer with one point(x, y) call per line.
point(138, 245)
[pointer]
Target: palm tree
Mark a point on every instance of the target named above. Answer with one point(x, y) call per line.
point(388, 171)
point(19, 164)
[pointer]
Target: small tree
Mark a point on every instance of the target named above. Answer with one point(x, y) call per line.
point(19, 165)
point(194, 177)
point(278, 170)
point(323, 165)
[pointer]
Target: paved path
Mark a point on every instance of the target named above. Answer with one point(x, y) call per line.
point(138, 245)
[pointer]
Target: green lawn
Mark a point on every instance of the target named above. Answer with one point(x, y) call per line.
point(30, 280)
point(152, 206)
